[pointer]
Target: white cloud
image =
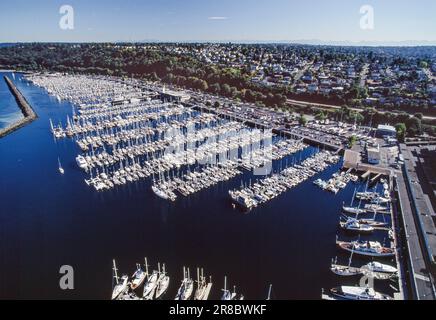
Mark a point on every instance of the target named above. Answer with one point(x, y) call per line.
point(218, 18)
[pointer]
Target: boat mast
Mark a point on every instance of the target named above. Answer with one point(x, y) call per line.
point(269, 292)
point(351, 257)
point(115, 272)
point(146, 268)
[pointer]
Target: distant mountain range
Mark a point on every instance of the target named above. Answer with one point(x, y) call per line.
point(408, 43)
point(314, 42)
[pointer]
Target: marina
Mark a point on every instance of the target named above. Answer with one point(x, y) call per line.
point(154, 285)
point(157, 152)
point(271, 187)
point(364, 247)
point(142, 221)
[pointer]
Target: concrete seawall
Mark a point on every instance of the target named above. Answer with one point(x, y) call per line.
point(26, 109)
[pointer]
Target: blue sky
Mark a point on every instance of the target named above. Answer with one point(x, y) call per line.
point(217, 20)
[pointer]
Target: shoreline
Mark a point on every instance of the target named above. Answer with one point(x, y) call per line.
point(26, 109)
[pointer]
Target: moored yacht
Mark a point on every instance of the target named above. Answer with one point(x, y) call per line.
point(366, 248)
point(121, 285)
point(163, 282)
point(160, 193)
point(359, 293)
point(151, 283)
point(203, 287)
point(81, 162)
point(353, 210)
point(61, 170)
point(187, 287)
point(378, 267)
point(354, 225)
point(227, 294)
point(138, 277)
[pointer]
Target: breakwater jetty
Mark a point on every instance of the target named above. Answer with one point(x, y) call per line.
point(26, 109)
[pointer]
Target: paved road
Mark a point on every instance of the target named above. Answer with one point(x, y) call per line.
point(301, 73)
point(364, 75)
point(336, 107)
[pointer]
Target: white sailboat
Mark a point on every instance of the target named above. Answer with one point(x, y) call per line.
point(121, 285)
point(162, 283)
point(151, 284)
point(187, 287)
point(203, 287)
point(227, 294)
point(138, 277)
point(366, 248)
point(345, 271)
point(353, 210)
point(81, 162)
point(359, 293)
point(61, 170)
point(354, 225)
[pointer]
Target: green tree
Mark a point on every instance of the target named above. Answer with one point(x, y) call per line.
point(352, 141)
point(320, 116)
point(414, 126)
point(401, 131)
point(302, 120)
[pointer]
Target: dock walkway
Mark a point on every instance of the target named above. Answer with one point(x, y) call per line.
point(277, 130)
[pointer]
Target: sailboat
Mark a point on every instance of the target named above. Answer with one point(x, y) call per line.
point(374, 270)
point(345, 271)
point(187, 287)
point(359, 293)
point(227, 294)
point(151, 284)
point(353, 210)
point(366, 248)
point(61, 170)
point(163, 282)
point(203, 287)
point(121, 285)
point(138, 277)
point(354, 225)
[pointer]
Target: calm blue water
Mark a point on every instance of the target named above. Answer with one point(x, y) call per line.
point(9, 110)
point(48, 220)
